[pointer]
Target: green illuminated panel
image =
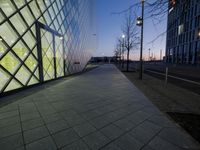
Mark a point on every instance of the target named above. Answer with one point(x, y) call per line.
point(10, 62)
point(21, 27)
point(20, 50)
point(4, 77)
point(1, 18)
point(31, 63)
point(35, 8)
point(27, 14)
point(23, 75)
point(29, 39)
point(13, 85)
point(2, 48)
point(33, 81)
point(7, 33)
point(7, 7)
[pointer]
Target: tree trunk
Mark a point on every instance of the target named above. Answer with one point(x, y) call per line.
point(127, 65)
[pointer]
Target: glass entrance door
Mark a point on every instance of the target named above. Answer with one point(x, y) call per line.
point(47, 49)
point(51, 54)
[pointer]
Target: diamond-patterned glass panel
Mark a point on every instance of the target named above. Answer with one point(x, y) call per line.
point(19, 3)
point(7, 33)
point(27, 14)
point(48, 18)
point(10, 62)
point(1, 18)
point(7, 7)
point(23, 75)
point(20, 50)
point(33, 81)
point(35, 8)
point(3, 48)
point(4, 77)
point(13, 85)
point(31, 62)
point(29, 39)
point(21, 27)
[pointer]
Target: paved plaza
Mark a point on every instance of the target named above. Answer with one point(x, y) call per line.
point(100, 109)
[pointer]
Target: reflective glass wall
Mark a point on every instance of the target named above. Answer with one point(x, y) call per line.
point(41, 40)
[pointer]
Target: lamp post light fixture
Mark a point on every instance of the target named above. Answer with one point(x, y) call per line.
point(140, 22)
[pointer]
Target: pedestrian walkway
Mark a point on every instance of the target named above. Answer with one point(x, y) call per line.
point(99, 109)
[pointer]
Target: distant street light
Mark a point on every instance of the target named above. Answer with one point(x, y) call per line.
point(140, 22)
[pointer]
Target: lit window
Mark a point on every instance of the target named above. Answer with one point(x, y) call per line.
point(171, 9)
point(180, 29)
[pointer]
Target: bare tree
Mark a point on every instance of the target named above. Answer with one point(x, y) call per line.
point(118, 50)
point(156, 10)
point(131, 35)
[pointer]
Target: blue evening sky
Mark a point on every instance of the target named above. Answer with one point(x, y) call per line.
point(109, 28)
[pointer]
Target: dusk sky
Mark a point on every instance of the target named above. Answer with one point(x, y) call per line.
point(109, 28)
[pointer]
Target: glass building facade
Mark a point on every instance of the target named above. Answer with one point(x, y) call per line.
point(42, 40)
point(183, 32)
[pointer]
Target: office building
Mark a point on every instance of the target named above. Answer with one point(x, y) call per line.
point(42, 40)
point(183, 32)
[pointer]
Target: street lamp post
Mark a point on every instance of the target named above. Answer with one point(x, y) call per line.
point(120, 53)
point(140, 22)
point(123, 45)
point(149, 54)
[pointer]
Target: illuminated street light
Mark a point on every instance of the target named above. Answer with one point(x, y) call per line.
point(123, 45)
point(139, 21)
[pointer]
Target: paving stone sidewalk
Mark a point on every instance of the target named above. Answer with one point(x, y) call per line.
point(100, 109)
